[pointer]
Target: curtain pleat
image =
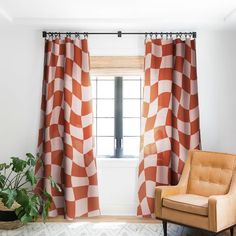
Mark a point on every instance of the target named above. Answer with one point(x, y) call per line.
point(170, 118)
point(65, 135)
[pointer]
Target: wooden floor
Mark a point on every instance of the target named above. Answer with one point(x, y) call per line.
point(173, 230)
point(98, 219)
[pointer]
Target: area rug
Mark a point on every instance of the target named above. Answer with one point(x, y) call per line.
point(91, 229)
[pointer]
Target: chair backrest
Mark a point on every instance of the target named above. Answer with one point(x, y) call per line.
point(210, 173)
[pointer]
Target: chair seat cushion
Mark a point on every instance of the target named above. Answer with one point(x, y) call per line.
point(190, 203)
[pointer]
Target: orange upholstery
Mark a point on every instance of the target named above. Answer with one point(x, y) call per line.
point(210, 174)
point(206, 194)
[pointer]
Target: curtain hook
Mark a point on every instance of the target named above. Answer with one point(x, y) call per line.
point(146, 35)
point(85, 35)
point(68, 34)
point(151, 35)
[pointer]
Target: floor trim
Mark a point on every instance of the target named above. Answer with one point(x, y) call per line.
point(98, 219)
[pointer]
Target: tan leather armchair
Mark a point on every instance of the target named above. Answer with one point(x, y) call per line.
point(205, 196)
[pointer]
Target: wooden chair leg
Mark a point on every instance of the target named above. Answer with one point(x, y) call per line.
point(164, 223)
point(232, 231)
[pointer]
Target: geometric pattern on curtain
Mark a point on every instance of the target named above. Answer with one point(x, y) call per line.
point(65, 136)
point(170, 118)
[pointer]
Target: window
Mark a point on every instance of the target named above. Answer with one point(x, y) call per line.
point(117, 115)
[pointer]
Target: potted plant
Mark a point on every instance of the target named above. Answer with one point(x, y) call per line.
point(19, 203)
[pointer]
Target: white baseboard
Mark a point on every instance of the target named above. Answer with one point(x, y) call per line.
point(119, 210)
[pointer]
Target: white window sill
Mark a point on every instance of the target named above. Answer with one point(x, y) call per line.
point(106, 162)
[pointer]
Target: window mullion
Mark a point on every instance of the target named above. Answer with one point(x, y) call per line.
point(118, 152)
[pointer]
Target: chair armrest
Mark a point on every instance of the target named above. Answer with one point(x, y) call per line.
point(221, 211)
point(164, 191)
point(181, 188)
point(222, 208)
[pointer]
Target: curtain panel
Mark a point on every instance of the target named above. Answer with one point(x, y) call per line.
point(170, 118)
point(65, 135)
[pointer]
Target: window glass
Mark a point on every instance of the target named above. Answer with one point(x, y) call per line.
point(105, 88)
point(105, 146)
point(131, 108)
point(105, 126)
point(105, 108)
point(131, 89)
point(131, 126)
point(131, 146)
point(104, 102)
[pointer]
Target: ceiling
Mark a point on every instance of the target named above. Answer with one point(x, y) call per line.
point(142, 15)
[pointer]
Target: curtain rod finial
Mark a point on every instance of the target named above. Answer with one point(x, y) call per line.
point(194, 35)
point(44, 33)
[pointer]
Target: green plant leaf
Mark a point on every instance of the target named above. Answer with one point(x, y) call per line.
point(18, 164)
point(19, 212)
point(46, 204)
point(54, 184)
point(47, 196)
point(26, 218)
point(30, 176)
point(30, 205)
point(45, 208)
point(33, 206)
point(22, 197)
point(4, 166)
point(2, 181)
point(44, 213)
point(8, 197)
point(31, 159)
point(35, 198)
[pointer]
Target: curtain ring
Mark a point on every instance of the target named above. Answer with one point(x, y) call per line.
point(85, 35)
point(151, 35)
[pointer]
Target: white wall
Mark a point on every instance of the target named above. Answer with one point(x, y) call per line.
point(216, 58)
point(21, 64)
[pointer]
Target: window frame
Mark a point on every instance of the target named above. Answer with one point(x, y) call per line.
point(119, 117)
point(118, 67)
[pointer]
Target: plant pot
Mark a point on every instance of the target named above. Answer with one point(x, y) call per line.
point(8, 218)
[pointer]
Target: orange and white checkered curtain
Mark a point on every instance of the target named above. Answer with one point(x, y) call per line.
point(170, 120)
point(65, 135)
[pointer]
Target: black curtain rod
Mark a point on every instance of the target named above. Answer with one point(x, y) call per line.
point(120, 33)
